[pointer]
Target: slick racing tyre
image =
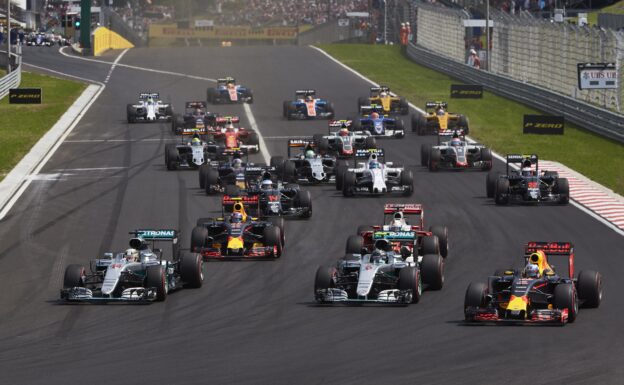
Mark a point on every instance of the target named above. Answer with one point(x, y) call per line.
point(430, 245)
point(279, 222)
point(501, 195)
point(566, 298)
point(590, 288)
point(562, 187)
point(476, 296)
point(490, 183)
point(304, 201)
point(155, 277)
point(349, 182)
point(355, 243)
point(272, 237)
point(486, 159)
point(407, 181)
point(192, 270)
point(324, 278)
point(434, 159)
point(212, 181)
point(74, 276)
point(442, 233)
point(198, 238)
point(432, 270)
point(203, 172)
point(425, 150)
point(409, 279)
point(172, 157)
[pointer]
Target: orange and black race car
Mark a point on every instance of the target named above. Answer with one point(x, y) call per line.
point(537, 293)
point(437, 119)
point(382, 97)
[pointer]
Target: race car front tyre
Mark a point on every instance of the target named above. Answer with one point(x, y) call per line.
point(363, 101)
point(407, 181)
point(253, 139)
point(566, 298)
point(249, 95)
point(155, 278)
point(211, 95)
point(501, 194)
point(432, 271)
point(340, 173)
point(198, 238)
point(403, 106)
point(349, 182)
point(430, 245)
point(425, 149)
point(370, 142)
point(409, 279)
point(486, 159)
point(355, 243)
point(192, 270)
point(273, 237)
point(589, 286)
point(399, 125)
point(490, 183)
point(171, 156)
point(203, 171)
point(304, 201)
point(279, 222)
point(476, 295)
point(277, 161)
point(290, 171)
point(562, 187)
point(285, 108)
point(442, 233)
point(130, 113)
point(74, 276)
point(212, 181)
point(463, 124)
point(434, 159)
point(324, 278)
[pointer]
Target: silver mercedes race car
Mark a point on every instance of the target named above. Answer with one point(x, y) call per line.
point(140, 274)
point(149, 109)
point(374, 176)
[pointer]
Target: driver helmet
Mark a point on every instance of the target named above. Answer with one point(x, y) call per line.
point(236, 217)
point(398, 220)
point(373, 164)
point(531, 271)
point(526, 168)
point(440, 111)
point(150, 100)
point(267, 184)
point(383, 94)
point(309, 98)
point(132, 255)
point(343, 132)
point(456, 142)
point(237, 163)
point(229, 127)
point(375, 115)
point(309, 154)
point(195, 141)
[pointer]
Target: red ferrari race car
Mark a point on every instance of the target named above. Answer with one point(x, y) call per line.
point(536, 294)
point(233, 137)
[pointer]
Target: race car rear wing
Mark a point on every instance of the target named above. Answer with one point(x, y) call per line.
point(394, 236)
point(408, 209)
point(251, 204)
point(436, 104)
point(377, 90)
point(265, 171)
point(367, 152)
point(145, 95)
point(192, 131)
point(143, 236)
point(196, 104)
point(225, 80)
point(367, 110)
point(344, 123)
point(300, 143)
point(303, 93)
point(445, 136)
point(552, 249)
point(518, 158)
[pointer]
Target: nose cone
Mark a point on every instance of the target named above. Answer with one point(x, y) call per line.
point(517, 303)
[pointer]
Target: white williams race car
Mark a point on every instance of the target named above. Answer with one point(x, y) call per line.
point(374, 176)
point(149, 109)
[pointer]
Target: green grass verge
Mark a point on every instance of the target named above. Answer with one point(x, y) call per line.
point(617, 8)
point(494, 121)
point(21, 125)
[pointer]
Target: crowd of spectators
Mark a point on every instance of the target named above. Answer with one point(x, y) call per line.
point(139, 14)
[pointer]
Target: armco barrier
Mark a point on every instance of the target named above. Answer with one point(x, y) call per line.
point(13, 79)
point(600, 121)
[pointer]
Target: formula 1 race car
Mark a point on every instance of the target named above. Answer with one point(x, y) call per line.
point(381, 96)
point(307, 106)
point(227, 91)
point(139, 274)
point(405, 219)
point(536, 294)
point(189, 154)
point(39, 39)
point(196, 116)
point(237, 235)
point(233, 137)
point(382, 276)
point(453, 152)
point(310, 166)
point(437, 119)
point(224, 175)
point(343, 143)
point(374, 176)
point(378, 124)
point(149, 109)
point(529, 184)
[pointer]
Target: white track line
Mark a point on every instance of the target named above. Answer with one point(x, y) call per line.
point(64, 74)
point(607, 223)
point(139, 68)
point(252, 123)
point(110, 72)
point(121, 140)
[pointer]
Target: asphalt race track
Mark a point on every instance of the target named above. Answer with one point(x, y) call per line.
point(256, 322)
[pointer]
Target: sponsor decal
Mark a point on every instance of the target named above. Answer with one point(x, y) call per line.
point(466, 91)
point(25, 96)
point(394, 235)
point(543, 124)
point(597, 76)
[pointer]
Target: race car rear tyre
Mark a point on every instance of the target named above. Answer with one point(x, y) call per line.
point(290, 171)
point(562, 187)
point(340, 173)
point(198, 238)
point(212, 181)
point(430, 245)
point(253, 139)
point(278, 162)
point(501, 196)
point(476, 295)
point(490, 183)
point(403, 106)
point(432, 270)
point(486, 159)
point(434, 159)
point(201, 221)
point(324, 278)
point(192, 270)
point(273, 237)
point(590, 288)
point(399, 125)
point(171, 156)
point(357, 125)
point(363, 101)
point(304, 201)
point(331, 112)
point(363, 228)
point(349, 182)
point(407, 181)
point(321, 143)
point(285, 108)
point(203, 172)
point(169, 112)
point(155, 277)
point(551, 174)
point(355, 243)
point(232, 190)
point(409, 279)
point(249, 95)
point(370, 142)
point(442, 233)
point(130, 114)
point(279, 222)
point(463, 124)
point(290, 114)
point(210, 95)
point(74, 276)
point(425, 150)
point(566, 298)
